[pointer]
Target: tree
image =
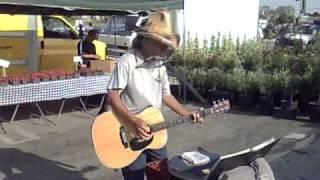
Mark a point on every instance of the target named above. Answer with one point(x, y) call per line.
point(265, 12)
point(285, 14)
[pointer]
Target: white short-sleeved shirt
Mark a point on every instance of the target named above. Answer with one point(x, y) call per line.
point(142, 83)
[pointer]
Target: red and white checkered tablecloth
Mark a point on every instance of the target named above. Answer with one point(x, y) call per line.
point(53, 90)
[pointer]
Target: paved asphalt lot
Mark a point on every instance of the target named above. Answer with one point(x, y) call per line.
point(32, 150)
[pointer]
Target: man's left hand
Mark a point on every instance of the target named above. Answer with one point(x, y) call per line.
point(196, 118)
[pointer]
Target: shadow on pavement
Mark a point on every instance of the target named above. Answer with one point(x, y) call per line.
point(17, 165)
point(301, 162)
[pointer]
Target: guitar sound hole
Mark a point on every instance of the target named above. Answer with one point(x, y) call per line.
point(137, 144)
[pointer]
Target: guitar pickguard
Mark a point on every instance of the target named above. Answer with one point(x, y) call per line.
point(137, 144)
point(123, 137)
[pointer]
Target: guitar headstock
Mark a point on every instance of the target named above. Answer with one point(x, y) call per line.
point(220, 106)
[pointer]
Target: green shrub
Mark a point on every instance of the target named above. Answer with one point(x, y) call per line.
point(244, 67)
point(251, 55)
point(275, 61)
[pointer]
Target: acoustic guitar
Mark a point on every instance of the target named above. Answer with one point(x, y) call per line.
point(117, 147)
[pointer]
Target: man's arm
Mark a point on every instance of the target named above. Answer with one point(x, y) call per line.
point(172, 103)
point(91, 56)
point(119, 108)
point(84, 49)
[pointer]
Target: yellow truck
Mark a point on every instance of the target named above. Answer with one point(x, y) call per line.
point(37, 43)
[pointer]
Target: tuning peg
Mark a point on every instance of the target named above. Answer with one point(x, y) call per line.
point(220, 107)
point(215, 107)
point(227, 105)
point(225, 101)
point(214, 104)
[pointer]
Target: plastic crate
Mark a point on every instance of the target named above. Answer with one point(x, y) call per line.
point(158, 170)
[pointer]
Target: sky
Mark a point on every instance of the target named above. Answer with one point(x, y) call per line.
point(311, 4)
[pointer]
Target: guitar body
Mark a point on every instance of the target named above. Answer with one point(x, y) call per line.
point(114, 143)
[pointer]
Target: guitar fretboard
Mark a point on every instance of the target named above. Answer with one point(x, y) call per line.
point(175, 121)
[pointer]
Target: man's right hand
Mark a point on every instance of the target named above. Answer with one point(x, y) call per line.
point(141, 129)
point(137, 126)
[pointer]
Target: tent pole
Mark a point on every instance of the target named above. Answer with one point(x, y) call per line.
point(115, 32)
point(32, 61)
point(4, 73)
point(183, 53)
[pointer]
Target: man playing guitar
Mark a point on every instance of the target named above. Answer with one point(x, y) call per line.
point(140, 81)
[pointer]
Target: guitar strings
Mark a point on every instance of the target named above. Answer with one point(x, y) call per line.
point(152, 114)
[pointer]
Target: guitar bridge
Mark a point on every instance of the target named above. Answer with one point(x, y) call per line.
point(123, 138)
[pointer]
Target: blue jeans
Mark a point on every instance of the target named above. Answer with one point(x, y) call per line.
point(136, 170)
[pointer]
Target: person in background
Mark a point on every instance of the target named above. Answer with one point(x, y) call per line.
point(90, 26)
point(87, 50)
point(81, 31)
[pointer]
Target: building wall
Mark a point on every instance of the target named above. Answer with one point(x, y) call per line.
point(204, 18)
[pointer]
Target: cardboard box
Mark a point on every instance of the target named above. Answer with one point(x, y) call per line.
point(103, 65)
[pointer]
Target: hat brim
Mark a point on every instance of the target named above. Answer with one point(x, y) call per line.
point(172, 42)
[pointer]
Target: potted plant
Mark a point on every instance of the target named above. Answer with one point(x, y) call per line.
point(283, 78)
point(34, 77)
point(227, 61)
point(45, 77)
point(69, 75)
point(278, 83)
point(98, 72)
point(297, 67)
point(315, 106)
point(177, 58)
point(86, 72)
point(233, 86)
point(250, 56)
point(52, 75)
point(289, 104)
point(76, 74)
point(61, 75)
point(212, 83)
point(24, 80)
point(266, 94)
point(315, 110)
point(14, 80)
point(249, 89)
point(3, 81)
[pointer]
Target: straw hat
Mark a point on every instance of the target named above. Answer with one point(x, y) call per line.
point(158, 27)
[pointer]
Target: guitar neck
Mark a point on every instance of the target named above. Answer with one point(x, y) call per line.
point(175, 121)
